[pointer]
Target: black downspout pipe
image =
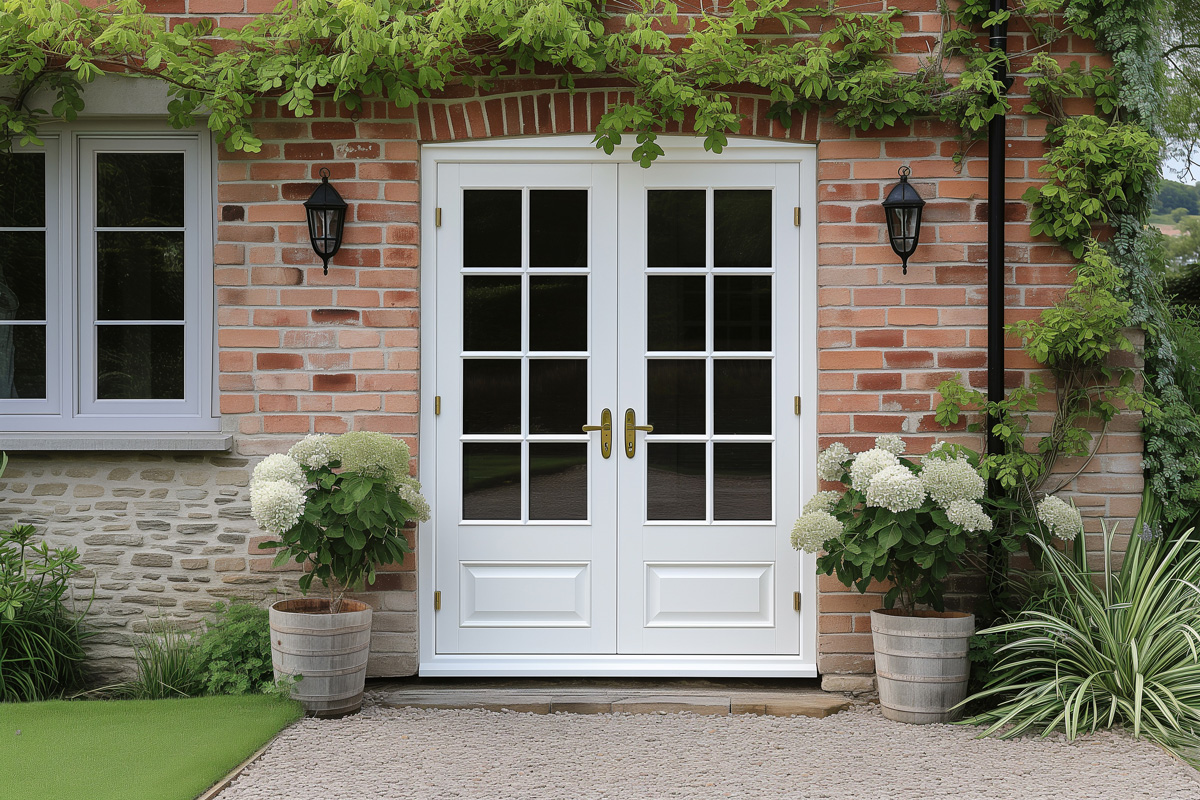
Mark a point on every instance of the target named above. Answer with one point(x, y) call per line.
point(995, 269)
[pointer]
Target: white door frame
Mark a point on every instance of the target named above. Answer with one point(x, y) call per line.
point(581, 149)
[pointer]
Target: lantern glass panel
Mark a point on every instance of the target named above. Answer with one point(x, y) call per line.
point(324, 228)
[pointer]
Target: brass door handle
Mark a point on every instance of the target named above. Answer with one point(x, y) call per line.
point(631, 429)
point(605, 428)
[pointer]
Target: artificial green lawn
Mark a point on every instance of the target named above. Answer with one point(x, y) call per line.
point(131, 749)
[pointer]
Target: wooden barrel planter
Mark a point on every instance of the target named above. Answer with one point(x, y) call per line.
point(328, 650)
point(921, 663)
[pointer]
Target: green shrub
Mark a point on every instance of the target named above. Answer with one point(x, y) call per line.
point(235, 651)
point(168, 665)
point(41, 640)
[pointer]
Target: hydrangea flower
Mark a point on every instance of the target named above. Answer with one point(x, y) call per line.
point(868, 464)
point(813, 529)
point(950, 479)
point(969, 515)
point(373, 454)
point(1062, 519)
point(314, 451)
point(895, 488)
point(830, 461)
point(278, 467)
point(822, 501)
point(892, 443)
point(410, 491)
point(276, 505)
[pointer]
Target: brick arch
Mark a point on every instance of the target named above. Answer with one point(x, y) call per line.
point(542, 112)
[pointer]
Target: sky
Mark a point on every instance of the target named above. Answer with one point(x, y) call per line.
point(1176, 169)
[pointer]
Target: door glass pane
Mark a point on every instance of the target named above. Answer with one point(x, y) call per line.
point(558, 227)
point(741, 396)
point(23, 275)
point(675, 481)
point(23, 361)
point(675, 312)
point(22, 190)
point(675, 234)
point(491, 227)
point(491, 480)
point(557, 481)
point(557, 395)
point(741, 481)
point(139, 190)
point(742, 228)
point(139, 275)
point(558, 312)
point(140, 362)
point(742, 312)
point(492, 395)
point(676, 395)
point(491, 312)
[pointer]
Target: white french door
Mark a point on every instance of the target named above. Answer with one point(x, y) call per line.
point(617, 359)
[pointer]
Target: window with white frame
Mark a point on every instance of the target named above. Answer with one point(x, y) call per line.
point(106, 284)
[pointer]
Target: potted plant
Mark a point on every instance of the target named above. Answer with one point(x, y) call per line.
point(908, 526)
point(338, 505)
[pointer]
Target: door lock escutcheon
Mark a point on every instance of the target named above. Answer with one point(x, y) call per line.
point(605, 428)
point(631, 429)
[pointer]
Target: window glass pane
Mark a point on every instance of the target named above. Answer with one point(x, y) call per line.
point(741, 396)
point(557, 395)
point(676, 395)
point(492, 395)
point(491, 480)
point(23, 361)
point(558, 226)
point(558, 312)
point(140, 362)
point(675, 235)
point(675, 313)
point(742, 312)
point(491, 312)
point(491, 227)
point(742, 228)
point(139, 275)
point(139, 190)
point(22, 190)
point(675, 481)
point(741, 481)
point(23, 275)
point(557, 481)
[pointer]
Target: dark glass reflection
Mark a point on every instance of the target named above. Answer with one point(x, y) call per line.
point(22, 190)
point(139, 275)
point(558, 312)
point(491, 480)
point(491, 312)
point(558, 227)
point(557, 481)
point(491, 227)
point(492, 395)
point(741, 396)
point(675, 481)
point(676, 396)
point(675, 235)
point(140, 362)
point(742, 312)
point(23, 275)
point(139, 190)
point(23, 361)
point(557, 395)
point(675, 312)
point(742, 228)
point(741, 481)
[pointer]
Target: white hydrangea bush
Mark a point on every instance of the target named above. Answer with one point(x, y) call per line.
point(868, 464)
point(276, 505)
point(1061, 518)
point(895, 488)
point(813, 529)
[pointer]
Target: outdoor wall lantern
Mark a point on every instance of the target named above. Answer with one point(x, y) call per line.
point(326, 217)
point(903, 211)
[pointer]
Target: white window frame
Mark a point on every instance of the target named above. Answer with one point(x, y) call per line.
point(71, 405)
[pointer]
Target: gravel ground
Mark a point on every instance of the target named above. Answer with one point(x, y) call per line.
point(855, 755)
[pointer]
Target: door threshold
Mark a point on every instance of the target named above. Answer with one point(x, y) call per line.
point(616, 666)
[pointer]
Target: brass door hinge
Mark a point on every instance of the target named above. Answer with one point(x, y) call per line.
point(797, 405)
point(437, 601)
point(796, 216)
point(796, 601)
point(437, 405)
point(437, 218)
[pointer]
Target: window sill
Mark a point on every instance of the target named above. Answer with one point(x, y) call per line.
point(66, 440)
